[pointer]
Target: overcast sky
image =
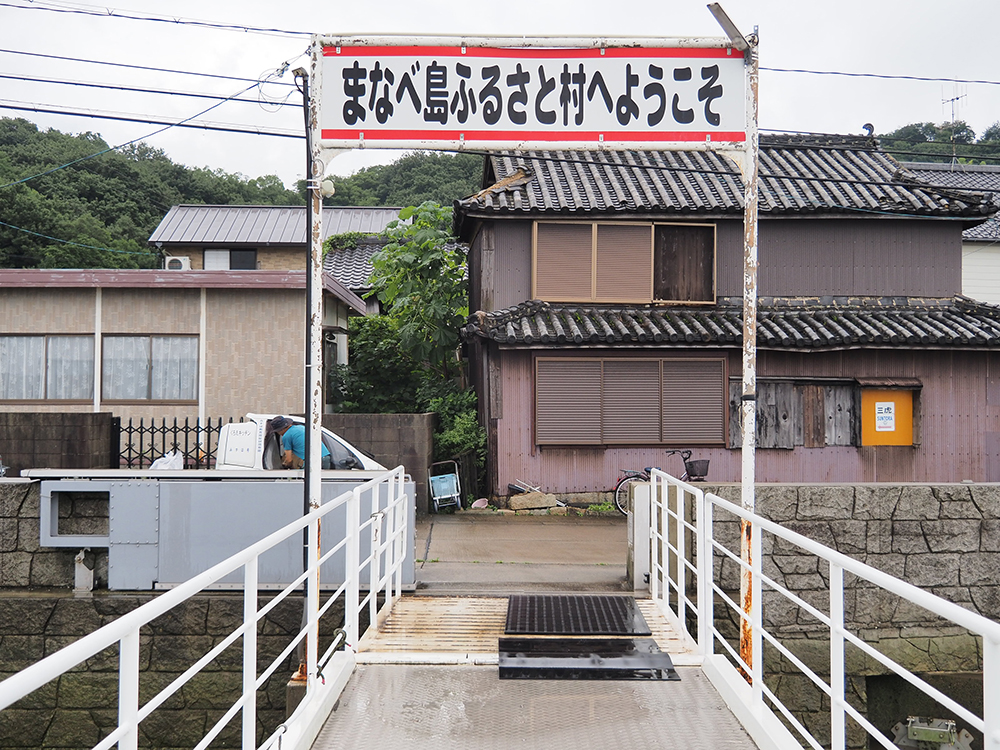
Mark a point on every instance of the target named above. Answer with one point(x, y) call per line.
point(917, 38)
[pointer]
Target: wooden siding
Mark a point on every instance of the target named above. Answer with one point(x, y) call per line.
point(960, 428)
point(509, 274)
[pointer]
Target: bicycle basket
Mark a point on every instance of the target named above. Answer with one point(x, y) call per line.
point(696, 470)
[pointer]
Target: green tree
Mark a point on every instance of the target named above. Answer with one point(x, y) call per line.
point(411, 180)
point(927, 142)
point(420, 278)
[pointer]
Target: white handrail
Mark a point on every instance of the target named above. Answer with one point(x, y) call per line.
point(669, 587)
point(385, 564)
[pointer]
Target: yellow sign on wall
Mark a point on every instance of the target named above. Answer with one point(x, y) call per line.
point(886, 417)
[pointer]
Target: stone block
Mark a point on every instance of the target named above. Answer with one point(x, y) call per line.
point(188, 618)
point(879, 537)
point(892, 563)
point(850, 537)
point(88, 690)
point(796, 564)
point(212, 690)
point(917, 502)
point(908, 538)
point(24, 728)
point(875, 502)
point(986, 498)
point(53, 568)
point(952, 535)
point(173, 728)
point(72, 729)
point(8, 534)
point(986, 600)
point(15, 569)
point(175, 653)
point(827, 502)
point(989, 536)
point(532, 501)
point(979, 569)
point(940, 569)
point(776, 502)
point(27, 535)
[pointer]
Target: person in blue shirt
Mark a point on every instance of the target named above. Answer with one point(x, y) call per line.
point(293, 443)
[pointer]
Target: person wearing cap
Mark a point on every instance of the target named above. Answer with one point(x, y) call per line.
point(293, 444)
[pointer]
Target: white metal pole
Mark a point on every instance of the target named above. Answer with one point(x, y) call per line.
point(314, 272)
point(838, 737)
point(705, 574)
point(128, 690)
point(991, 693)
point(250, 654)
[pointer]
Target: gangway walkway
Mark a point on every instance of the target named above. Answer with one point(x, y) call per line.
point(428, 679)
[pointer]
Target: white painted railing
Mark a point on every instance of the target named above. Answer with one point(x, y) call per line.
point(376, 510)
point(686, 583)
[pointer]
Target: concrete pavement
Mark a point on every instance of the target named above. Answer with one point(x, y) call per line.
point(492, 553)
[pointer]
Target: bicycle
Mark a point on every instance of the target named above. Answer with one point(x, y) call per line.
point(630, 476)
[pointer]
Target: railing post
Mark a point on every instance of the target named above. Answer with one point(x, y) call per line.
point(655, 537)
point(681, 507)
point(375, 571)
point(250, 655)
point(757, 621)
point(837, 676)
point(312, 606)
point(664, 542)
point(991, 694)
point(703, 563)
point(352, 557)
point(128, 690)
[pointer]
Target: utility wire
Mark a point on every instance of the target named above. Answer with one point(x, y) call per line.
point(880, 75)
point(75, 244)
point(115, 87)
point(110, 13)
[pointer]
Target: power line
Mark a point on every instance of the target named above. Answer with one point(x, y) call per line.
point(75, 244)
point(141, 67)
point(24, 107)
point(879, 75)
point(110, 13)
point(114, 87)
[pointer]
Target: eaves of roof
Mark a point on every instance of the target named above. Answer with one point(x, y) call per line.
point(163, 279)
point(790, 323)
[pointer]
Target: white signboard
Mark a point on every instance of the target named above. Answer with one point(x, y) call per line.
point(539, 97)
point(885, 416)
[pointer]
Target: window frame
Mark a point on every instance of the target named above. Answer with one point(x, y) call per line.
point(150, 374)
point(549, 429)
point(44, 378)
point(218, 253)
point(619, 270)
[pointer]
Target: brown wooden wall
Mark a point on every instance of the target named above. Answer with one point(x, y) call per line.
point(798, 257)
point(960, 427)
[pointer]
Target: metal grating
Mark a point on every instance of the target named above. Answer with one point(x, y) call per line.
point(584, 659)
point(545, 614)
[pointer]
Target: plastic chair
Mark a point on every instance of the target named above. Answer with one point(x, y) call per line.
point(446, 489)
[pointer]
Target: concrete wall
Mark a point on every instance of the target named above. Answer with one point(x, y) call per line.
point(942, 538)
point(393, 439)
point(55, 440)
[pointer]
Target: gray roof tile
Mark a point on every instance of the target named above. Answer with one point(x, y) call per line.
point(799, 175)
point(794, 323)
point(965, 177)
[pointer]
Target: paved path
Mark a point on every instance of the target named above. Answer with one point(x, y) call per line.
point(484, 553)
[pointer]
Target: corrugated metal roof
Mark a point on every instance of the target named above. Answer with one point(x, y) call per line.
point(260, 226)
point(799, 175)
point(796, 323)
point(966, 177)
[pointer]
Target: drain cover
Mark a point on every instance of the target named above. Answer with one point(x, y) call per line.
point(545, 614)
point(584, 659)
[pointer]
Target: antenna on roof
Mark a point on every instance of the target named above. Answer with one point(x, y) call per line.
point(954, 156)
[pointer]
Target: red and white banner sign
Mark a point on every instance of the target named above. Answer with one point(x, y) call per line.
point(539, 97)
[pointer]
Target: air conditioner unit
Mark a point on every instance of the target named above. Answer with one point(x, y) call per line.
point(178, 263)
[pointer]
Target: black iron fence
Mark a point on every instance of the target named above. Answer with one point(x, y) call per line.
point(138, 445)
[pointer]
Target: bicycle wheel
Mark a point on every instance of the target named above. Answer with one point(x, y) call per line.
point(623, 493)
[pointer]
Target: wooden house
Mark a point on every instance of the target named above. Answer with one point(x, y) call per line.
point(608, 290)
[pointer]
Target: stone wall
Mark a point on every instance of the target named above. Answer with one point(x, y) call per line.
point(941, 538)
point(31, 440)
point(80, 707)
point(393, 439)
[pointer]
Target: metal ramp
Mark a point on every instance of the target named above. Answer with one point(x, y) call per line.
point(429, 679)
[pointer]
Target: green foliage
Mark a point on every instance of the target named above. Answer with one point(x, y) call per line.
point(381, 378)
point(927, 142)
point(411, 180)
point(458, 429)
point(111, 202)
point(419, 277)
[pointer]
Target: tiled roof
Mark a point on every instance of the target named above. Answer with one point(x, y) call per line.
point(798, 323)
point(352, 266)
point(260, 226)
point(798, 175)
point(966, 177)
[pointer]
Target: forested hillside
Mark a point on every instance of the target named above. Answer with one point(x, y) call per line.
point(98, 212)
point(925, 141)
point(411, 180)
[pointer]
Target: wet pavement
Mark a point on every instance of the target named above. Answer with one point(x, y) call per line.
point(483, 553)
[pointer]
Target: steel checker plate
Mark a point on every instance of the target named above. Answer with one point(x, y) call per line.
point(547, 614)
point(584, 659)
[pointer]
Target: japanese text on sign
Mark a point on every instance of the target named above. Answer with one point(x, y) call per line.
point(885, 416)
point(547, 95)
